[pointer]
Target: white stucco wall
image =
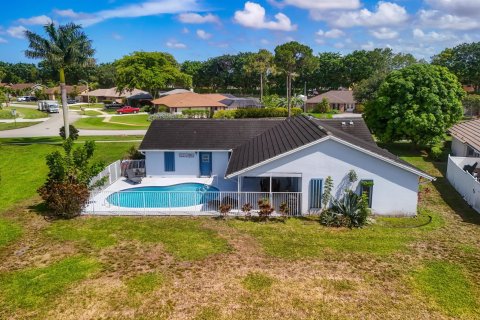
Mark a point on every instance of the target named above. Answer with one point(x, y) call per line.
point(184, 167)
point(394, 190)
point(459, 149)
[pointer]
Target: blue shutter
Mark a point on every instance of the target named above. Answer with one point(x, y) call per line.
point(169, 161)
point(316, 193)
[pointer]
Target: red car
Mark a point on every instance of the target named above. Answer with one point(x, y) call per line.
point(128, 109)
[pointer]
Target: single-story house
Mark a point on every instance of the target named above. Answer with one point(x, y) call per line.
point(173, 91)
point(24, 88)
point(189, 101)
point(54, 93)
point(341, 100)
point(466, 139)
point(110, 94)
point(283, 158)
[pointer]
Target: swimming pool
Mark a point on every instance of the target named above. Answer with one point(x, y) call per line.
point(174, 196)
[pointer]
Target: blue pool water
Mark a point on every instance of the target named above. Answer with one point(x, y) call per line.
point(174, 196)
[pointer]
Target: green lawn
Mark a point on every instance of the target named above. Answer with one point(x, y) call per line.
point(207, 268)
point(58, 140)
point(18, 125)
point(322, 115)
point(25, 113)
point(94, 123)
point(137, 120)
point(91, 113)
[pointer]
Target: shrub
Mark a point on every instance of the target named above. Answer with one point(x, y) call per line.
point(225, 209)
point(332, 219)
point(107, 101)
point(247, 210)
point(327, 192)
point(359, 108)
point(353, 207)
point(322, 107)
point(73, 132)
point(196, 113)
point(66, 190)
point(164, 115)
point(225, 114)
point(284, 209)
point(134, 154)
point(265, 209)
point(436, 151)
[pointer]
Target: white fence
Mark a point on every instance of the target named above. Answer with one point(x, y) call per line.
point(188, 202)
point(113, 172)
point(464, 182)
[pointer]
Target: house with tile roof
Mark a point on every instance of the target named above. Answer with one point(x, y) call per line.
point(176, 103)
point(341, 100)
point(111, 94)
point(283, 159)
point(466, 139)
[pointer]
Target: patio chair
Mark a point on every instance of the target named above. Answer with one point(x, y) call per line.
point(132, 176)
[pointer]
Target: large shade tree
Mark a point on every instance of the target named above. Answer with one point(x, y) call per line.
point(65, 46)
point(417, 103)
point(150, 71)
point(293, 58)
point(261, 64)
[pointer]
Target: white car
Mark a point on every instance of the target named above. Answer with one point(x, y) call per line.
point(23, 98)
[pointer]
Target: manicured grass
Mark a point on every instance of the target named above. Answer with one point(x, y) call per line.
point(25, 113)
point(137, 120)
point(59, 140)
point(18, 125)
point(95, 123)
point(39, 287)
point(184, 238)
point(297, 239)
point(144, 283)
point(91, 113)
point(322, 115)
point(9, 231)
point(256, 281)
point(23, 169)
point(446, 285)
point(6, 114)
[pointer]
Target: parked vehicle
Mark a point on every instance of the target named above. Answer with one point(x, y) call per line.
point(26, 98)
point(71, 101)
point(128, 109)
point(50, 106)
point(114, 105)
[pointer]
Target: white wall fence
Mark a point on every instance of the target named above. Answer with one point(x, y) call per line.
point(464, 182)
point(187, 202)
point(112, 171)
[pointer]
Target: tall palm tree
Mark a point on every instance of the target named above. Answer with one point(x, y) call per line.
point(64, 46)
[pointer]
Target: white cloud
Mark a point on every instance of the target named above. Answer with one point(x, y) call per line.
point(339, 45)
point(384, 33)
point(175, 44)
point(432, 36)
point(253, 16)
point(196, 18)
point(368, 46)
point(320, 4)
point(185, 30)
point(437, 19)
point(69, 13)
point(38, 20)
point(332, 34)
point(264, 41)
point(457, 7)
point(2, 40)
point(202, 34)
point(386, 14)
point(143, 9)
point(17, 32)
point(117, 36)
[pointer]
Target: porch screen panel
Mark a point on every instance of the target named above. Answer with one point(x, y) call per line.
point(169, 161)
point(316, 193)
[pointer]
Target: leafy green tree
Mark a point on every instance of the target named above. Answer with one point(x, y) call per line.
point(418, 103)
point(261, 64)
point(65, 46)
point(471, 103)
point(150, 71)
point(293, 58)
point(66, 190)
point(104, 74)
point(192, 68)
point(463, 61)
point(330, 74)
point(217, 72)
point(322, 107)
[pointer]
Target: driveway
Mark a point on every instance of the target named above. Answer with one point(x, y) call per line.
point(347, 115)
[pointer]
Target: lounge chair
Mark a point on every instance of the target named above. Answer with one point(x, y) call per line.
point(132, 176)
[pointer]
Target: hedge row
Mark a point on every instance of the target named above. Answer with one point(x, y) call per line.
point(255, 113)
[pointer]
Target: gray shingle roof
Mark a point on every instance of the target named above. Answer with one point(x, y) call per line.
point(203, 134)
point(467, 132)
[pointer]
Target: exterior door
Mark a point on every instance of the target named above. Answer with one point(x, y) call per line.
point(205, 164)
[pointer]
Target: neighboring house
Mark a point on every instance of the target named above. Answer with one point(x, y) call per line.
point(173, 91)
point(278, 156)
point(176, 103)
point(24, 88)
point(466, 139)
point(110, 94)
point(341, 100)
point(55, 93)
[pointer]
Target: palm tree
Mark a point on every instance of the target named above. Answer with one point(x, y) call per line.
point(65, 46)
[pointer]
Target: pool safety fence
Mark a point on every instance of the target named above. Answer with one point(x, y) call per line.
point(131, 202)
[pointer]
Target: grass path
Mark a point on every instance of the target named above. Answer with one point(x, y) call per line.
point(204, 268)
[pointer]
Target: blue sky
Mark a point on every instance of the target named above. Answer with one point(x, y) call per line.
point(199, 29)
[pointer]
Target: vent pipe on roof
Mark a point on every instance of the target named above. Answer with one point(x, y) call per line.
point(351, 123)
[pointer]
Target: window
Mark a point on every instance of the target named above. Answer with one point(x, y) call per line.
point(366, 187)
point(169, 158)
point(472, 152)
point(316, 193)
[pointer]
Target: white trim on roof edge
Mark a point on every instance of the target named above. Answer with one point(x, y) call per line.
point(373, 154)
